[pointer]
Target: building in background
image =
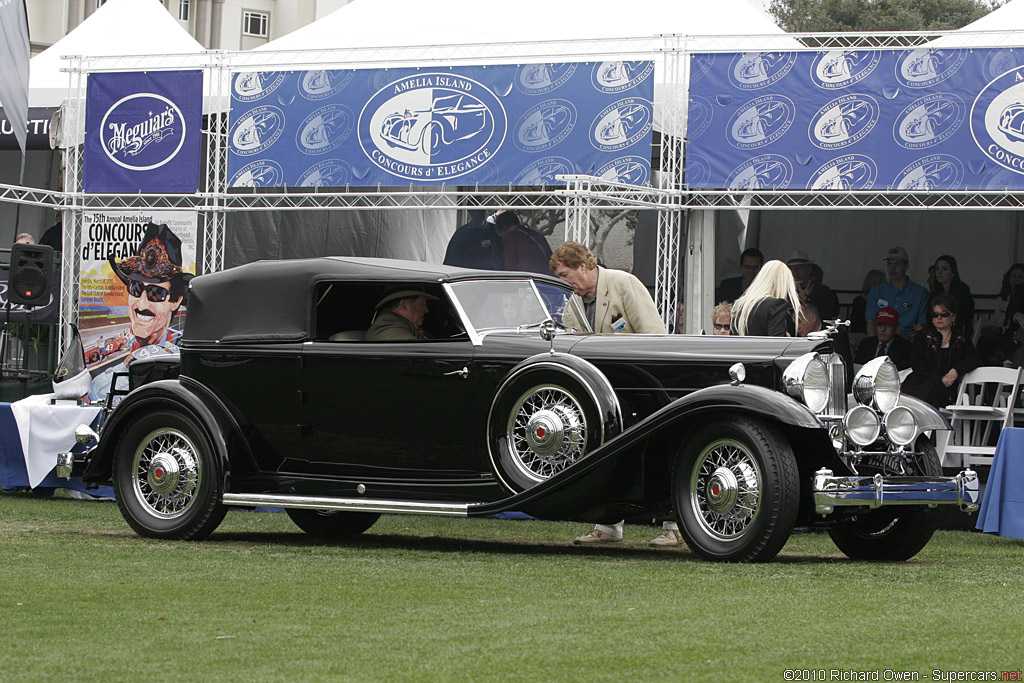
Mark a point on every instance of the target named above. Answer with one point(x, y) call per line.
point(217, 24)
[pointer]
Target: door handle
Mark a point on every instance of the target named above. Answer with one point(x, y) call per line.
point(463, 373)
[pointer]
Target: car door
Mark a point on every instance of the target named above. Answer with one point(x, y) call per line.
point(395, 410)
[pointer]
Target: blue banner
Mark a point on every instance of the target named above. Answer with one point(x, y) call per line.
point(906, 120)
point(143, 132)
point(491, 125)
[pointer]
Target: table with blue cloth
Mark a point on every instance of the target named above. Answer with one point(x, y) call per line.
point(32, 432)
point(1002, 506)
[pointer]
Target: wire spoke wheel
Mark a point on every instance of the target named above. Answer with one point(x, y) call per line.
point(547, 431)
point(725, 489)
point(167, 474)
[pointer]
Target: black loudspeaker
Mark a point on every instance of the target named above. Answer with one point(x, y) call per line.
point(31, 271)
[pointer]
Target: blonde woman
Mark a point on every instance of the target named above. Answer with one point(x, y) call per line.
point(771, 306)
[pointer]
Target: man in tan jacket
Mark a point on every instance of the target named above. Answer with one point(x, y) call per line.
point(615, 302)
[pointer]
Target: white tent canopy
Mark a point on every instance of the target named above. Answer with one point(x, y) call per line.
point(997, 28)
point(119, 27)
point(371, 23)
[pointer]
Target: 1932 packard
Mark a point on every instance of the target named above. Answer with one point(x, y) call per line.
point(277, 400)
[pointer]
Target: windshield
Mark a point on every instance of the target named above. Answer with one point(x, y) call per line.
point(504, 304)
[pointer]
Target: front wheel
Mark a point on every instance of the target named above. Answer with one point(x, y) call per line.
point(892, 534)
point(167, 480)
point(332, 524)
point(736, 490)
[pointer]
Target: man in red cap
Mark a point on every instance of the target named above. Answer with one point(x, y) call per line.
point(887, 343)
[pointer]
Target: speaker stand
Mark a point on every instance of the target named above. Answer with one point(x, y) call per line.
point(4, 346)
point(23, 374)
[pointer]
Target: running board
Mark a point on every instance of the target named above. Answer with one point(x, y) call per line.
point(282, 500)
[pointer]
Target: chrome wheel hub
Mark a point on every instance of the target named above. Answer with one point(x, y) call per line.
point(725, 491)
point(167, 476)
point(546, 431)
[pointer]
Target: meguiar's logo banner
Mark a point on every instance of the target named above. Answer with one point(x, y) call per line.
point(915, 120)
point(143, 132)
point(490, 125)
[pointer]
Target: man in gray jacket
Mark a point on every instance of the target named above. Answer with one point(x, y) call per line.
point(400, 316)
point(615, 302)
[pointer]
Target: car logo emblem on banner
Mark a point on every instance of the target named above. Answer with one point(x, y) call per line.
point(849, 172)
point(544, 125)
point(631, 170)
point(142, 131)
point(325, 129)
point(256, 130)
point(934, 172)
point(700, 116)
point(432, 126)
point(614, 77)
point(621, 124)
point(761, 121)
point(321, 84)
point(697, 171)
point(765, 172)
point(543, 171)
point(842, 68)
point(924, 67)
point(700, 64)
point(753, 70)
point(538, 79)
point(250, 86)
point(327, 173)
point(929, 121)
point(997, 120)
point(843, 121)
point(261, 173)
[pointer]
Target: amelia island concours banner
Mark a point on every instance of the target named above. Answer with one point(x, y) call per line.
point(127, 256)
point(143, 132)
point(905, 120)
point(463, 125)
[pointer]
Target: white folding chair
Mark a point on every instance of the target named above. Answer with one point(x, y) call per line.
point(984, 407)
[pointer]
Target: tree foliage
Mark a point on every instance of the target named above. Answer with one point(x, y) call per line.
point(878, 15)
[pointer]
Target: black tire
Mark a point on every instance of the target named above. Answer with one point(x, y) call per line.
point(332, 524)
point(543, 419)
point(167, 477)
point(736, 490)
point(892, 534)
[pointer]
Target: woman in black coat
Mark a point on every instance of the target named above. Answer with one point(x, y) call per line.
point(948, 282)
point(770, 307)
point(942, 355)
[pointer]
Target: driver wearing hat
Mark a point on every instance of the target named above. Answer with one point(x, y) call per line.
point(400, 316)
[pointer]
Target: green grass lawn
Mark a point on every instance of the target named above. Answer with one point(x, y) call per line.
point(424, 598)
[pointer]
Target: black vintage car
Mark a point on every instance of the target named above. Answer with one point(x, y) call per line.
point(278, 400)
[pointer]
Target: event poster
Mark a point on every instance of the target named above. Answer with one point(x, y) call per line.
point(910, 120)
point(464, 125)
point(135, 269)
point(143, 132)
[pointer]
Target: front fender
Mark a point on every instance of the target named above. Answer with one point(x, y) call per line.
point(928, 417)
point(180, 394)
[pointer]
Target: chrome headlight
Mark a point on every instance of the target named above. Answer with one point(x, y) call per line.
point(900, 425)
point(878, 384)
point(807, 379)
point(862, 426)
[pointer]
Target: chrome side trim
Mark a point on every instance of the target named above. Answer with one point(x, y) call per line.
point(283, 500)
point(872, 492)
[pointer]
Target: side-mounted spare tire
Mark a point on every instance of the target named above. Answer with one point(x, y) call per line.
point(168, 480)
point(548, 414)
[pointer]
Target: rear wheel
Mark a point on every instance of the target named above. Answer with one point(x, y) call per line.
point(432, 139)
point(332, 524)
point(167, 479)
point(736, 490)
point(892, 534)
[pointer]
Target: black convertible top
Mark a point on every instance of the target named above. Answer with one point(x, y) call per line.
point(271, 301)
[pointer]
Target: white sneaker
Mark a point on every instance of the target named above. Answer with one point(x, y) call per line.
point(667, 538)
point(597, 536)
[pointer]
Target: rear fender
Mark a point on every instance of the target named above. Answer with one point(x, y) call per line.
point(180, 394)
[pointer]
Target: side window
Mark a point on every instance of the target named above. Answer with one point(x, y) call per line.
point(344, 311)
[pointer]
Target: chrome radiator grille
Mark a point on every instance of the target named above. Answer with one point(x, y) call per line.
point(837, 379)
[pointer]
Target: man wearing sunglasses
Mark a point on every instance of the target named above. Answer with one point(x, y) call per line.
point(157, 286)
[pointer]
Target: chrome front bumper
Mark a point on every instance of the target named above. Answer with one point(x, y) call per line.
point(831, 492)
